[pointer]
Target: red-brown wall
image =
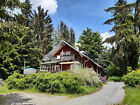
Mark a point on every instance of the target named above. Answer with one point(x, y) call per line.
point(67, 48)
point(80, 58)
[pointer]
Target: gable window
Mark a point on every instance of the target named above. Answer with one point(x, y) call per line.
point(62, 53)
point(68, 53)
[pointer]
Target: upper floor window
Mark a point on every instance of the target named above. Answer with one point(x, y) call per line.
point(65, 53)
point(68, 53)
point(62, 53)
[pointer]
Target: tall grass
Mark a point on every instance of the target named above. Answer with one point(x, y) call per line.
point(132, 96)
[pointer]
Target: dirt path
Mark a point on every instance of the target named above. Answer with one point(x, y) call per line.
point(111, 93)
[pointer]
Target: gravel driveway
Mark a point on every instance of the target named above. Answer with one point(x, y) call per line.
point(111, 93)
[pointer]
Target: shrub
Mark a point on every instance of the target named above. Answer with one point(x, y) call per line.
point(63, 82)
point(132, 79)
point(59, 82)
point(138, 70)
point(47, 82)
point(72, 83)
point(89, 76)
point(115, 79)
point(16, 81)
point(31, 80)
point(112, 70)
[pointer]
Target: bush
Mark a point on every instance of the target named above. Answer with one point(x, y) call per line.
point(112, 70)
point(31, 80)
point(59, 82)
point(63, 82)
point(47, 82)
point(16, 81)
point(115, 79)
point(132, 79)
point(138, 70)
point(89, 76)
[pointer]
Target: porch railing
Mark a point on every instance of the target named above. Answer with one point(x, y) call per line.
point(64, 58)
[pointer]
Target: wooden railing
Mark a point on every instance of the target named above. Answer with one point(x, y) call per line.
point(64, 58)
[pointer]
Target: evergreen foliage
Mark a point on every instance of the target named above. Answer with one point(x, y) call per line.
point(63, 33)
point(25, 17)
point(91, 44)
point(16, 45)
point(42, 28)
point(5, 15)
point(126, 50)
point(18, 41)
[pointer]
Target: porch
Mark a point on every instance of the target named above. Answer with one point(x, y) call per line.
point(58, 66)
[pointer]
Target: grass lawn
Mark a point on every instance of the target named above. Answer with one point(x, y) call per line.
point(4, 90)
point(132, 96)
point(88, 90)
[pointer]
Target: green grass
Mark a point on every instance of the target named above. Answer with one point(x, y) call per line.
point(4, 90)
point(87, 90)
point(132, 96)
point(30, 90)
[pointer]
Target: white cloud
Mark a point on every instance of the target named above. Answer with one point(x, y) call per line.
point(106, 35)
point(50, 5)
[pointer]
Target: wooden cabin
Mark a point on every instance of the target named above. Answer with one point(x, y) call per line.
point(65, 57)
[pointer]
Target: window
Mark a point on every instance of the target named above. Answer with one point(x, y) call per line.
point(68, 53)
point(58, 57)
point(62, 53)
point(57, 68)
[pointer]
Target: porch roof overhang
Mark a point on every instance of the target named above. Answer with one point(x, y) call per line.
point(76, 62)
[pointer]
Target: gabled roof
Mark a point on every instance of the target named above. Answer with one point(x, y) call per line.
point(58, 47)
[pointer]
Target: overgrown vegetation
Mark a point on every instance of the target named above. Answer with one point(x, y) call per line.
point(115, 79)
point(132, 79)
point(112, 70)
point(132, 96)
point(126, 44)
point(88, 75)
point(62, 82)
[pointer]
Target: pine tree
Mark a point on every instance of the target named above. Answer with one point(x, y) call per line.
point(72, 37)
point(25, 17)
point(6, 5)
point(91, 43)
point(125, 51)
point(15, 47)
point(63, 33)
point(43, 29)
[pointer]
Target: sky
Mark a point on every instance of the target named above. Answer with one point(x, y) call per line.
point(79, 14)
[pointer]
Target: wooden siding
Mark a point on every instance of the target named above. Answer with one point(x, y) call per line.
point(73, 56)
point(66, 48)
